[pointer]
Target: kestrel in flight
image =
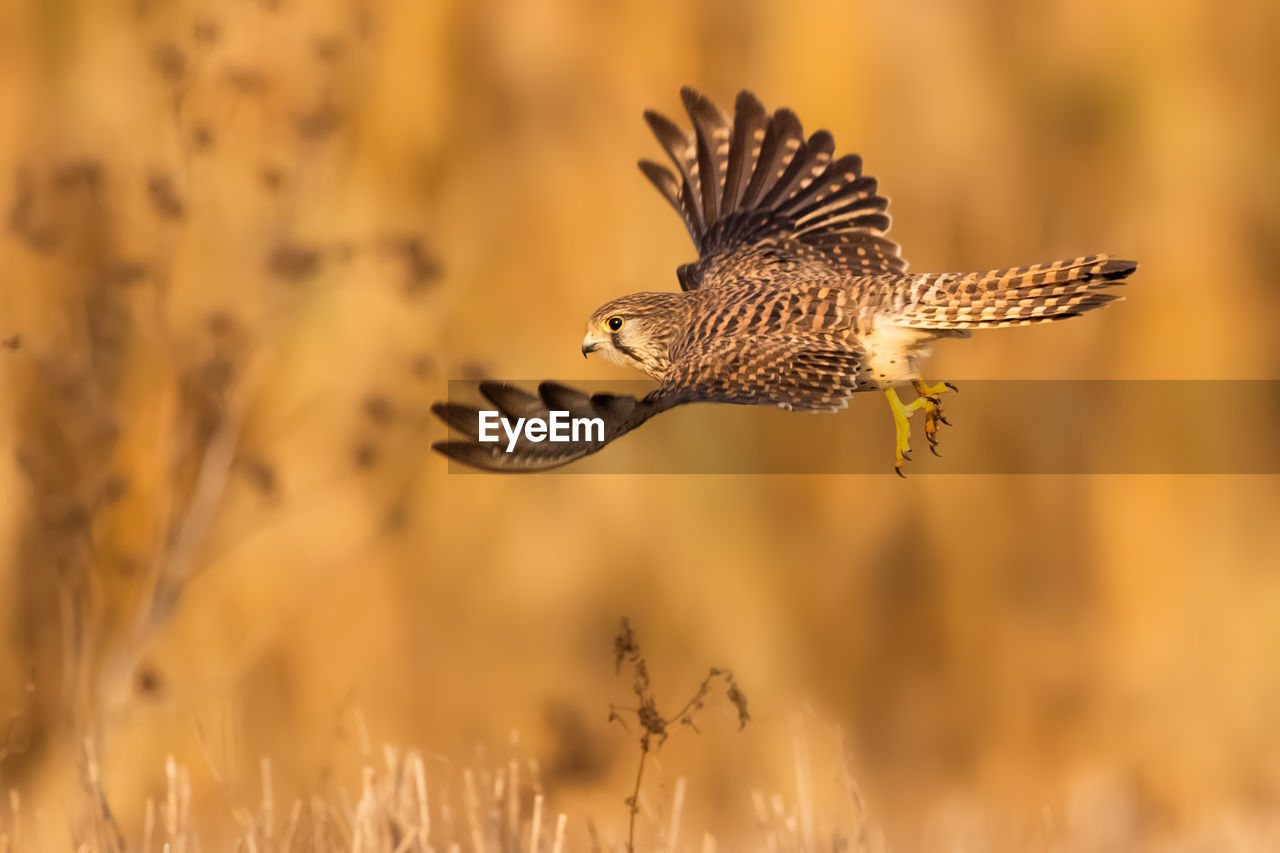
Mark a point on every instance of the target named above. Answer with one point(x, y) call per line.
point(797, 299)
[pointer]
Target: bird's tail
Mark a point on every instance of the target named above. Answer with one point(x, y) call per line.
point(1013, 297)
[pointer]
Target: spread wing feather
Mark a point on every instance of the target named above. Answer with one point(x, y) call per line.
point(671, 190)
point(763, 202)
point(783, 137)
point(711, 146)
point(749, 127)
point(620, 414)
point(680, 149)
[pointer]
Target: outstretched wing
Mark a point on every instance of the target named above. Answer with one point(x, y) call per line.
point(761, 201)
point(620, 414)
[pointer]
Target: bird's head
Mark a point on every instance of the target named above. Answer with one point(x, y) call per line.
point(637, 330)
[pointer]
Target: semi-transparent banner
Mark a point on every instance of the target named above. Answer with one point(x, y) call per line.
point(997, 427)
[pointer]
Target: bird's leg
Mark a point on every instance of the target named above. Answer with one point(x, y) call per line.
point(933, 409)
point(902, 426)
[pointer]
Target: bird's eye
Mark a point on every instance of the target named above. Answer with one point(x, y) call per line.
point(614, 323)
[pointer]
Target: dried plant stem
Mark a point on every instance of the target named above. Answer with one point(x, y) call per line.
point(15, 808)
point(677, 807)
point(268, 803)
point(513, 805)
point(535, 826)
point(472, 801)
point(652, 722)
point(295, 817)
point(804, 781)
point(558, 845)
point(424, 813)
point(633, 802)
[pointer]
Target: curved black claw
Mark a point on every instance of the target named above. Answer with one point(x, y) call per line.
point(933, 448)
point(898, 470)
point(934, 400)
point(943, 419)
point(952, 387)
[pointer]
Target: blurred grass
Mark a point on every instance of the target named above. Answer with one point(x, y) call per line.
point(247, 244)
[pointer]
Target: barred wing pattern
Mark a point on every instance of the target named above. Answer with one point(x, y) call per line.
point(798, 374)
point(1018, 296)
point(789, 345)
point(620, 414)
point(762, 202)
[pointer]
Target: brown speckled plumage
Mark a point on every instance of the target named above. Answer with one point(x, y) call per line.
point(797, 299)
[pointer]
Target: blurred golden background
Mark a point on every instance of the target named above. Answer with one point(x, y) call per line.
point(247, 243)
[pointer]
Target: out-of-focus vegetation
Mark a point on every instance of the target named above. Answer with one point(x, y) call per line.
point(245, 244)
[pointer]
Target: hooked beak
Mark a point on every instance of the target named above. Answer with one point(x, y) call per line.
point(590, 345)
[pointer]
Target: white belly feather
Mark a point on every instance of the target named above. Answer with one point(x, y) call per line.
point(892, 352)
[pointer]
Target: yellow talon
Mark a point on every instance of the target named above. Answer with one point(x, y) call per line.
point(902, 426)
point(933, 413)
point(926, 401)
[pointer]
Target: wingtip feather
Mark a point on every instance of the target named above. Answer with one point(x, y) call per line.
point(1114, 268)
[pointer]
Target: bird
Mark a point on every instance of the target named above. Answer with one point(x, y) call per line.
point(797, 298)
